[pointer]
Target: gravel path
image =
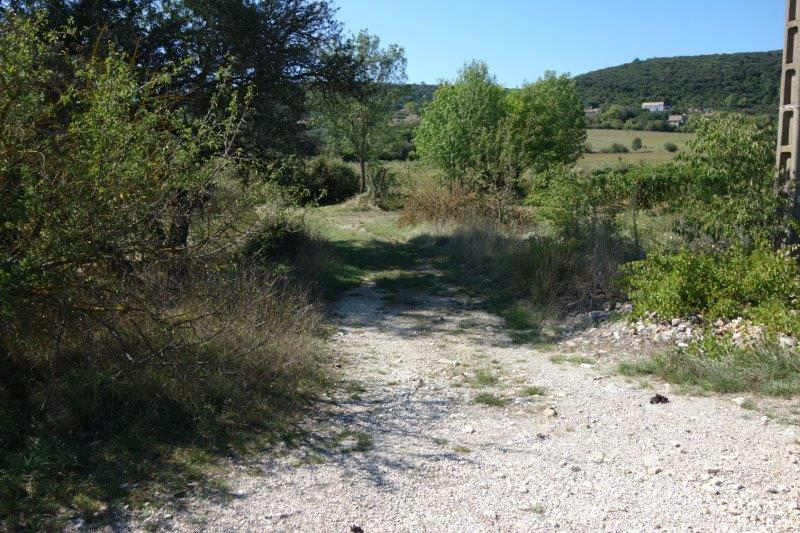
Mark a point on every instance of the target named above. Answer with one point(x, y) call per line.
point(406, 448)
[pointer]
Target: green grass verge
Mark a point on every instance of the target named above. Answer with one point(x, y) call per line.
point(718, 366)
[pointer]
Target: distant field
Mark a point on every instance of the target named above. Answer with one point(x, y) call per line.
point(653, 150)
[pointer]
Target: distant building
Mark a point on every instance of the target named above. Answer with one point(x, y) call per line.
point(592, 112)
point(676, 121)
point(655, 107)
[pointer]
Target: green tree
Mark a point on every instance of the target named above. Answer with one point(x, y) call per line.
point(278, 47)
point(358, 121)
point(94, 186)
point(470, 108)
point(547, 122)
point(474, 129)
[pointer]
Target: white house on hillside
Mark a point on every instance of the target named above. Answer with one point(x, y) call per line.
point(655, 107)
point(677, 121)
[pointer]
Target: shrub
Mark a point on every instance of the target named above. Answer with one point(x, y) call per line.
point(333, 182)
point(127, 328)
point(671, 147)
point(637, 144)
point(384, 187)
point(727, 197)
point(759, 284)
point(616, 148)
point(320, 180)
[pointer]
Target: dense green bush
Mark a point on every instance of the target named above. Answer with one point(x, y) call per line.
point(726, 195)
point(671, 147)
point(384, 187)
point(332, 181)
point(758, 284)
point(321, 180)
point(616, 148)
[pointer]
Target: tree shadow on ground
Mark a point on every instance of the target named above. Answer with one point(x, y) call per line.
point(409, 289)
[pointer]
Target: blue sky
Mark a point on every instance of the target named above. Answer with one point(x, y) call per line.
point(520, 39)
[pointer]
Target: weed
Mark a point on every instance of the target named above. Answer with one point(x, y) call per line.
point(575, 359)
point(354, 441)
point(489, 399)
point(461, 449)
point(718, 366)
point(533, 391)
point(440, 442)
point(750, 405)
point(484, 378)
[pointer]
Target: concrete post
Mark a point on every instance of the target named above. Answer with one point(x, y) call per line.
point(788, 158)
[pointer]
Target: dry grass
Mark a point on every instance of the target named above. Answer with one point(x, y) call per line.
point(442, 203)
point(151, 396)
point(551, 272)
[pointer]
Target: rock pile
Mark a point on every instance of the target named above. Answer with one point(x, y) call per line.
point(618, 329)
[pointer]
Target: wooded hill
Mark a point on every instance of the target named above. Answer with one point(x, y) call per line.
point(745, 81)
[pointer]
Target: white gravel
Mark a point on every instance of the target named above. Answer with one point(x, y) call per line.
point(592, 454)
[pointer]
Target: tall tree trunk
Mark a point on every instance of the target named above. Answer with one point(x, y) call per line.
point(178, 237)
point(363, 174)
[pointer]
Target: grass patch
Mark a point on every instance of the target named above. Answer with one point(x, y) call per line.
point(109, 421)
point(750, 405)
point(485, 378)
point(461, 449)
point(355, 441)
point(575, 359)
point(533, 391)
point(718, 366)
point(491, 400)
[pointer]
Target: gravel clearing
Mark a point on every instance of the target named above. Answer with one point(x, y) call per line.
point(408, 449)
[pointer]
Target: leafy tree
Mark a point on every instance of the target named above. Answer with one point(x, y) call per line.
point(358, 121)
point(475, 130)
point(277, 47)
point(547, 123)
point(95, 185)
point(461, 112)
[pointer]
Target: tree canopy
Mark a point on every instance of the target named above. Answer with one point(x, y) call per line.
point(358, 121)
point(746, 81)
point(474, 129)
point(277, 47)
